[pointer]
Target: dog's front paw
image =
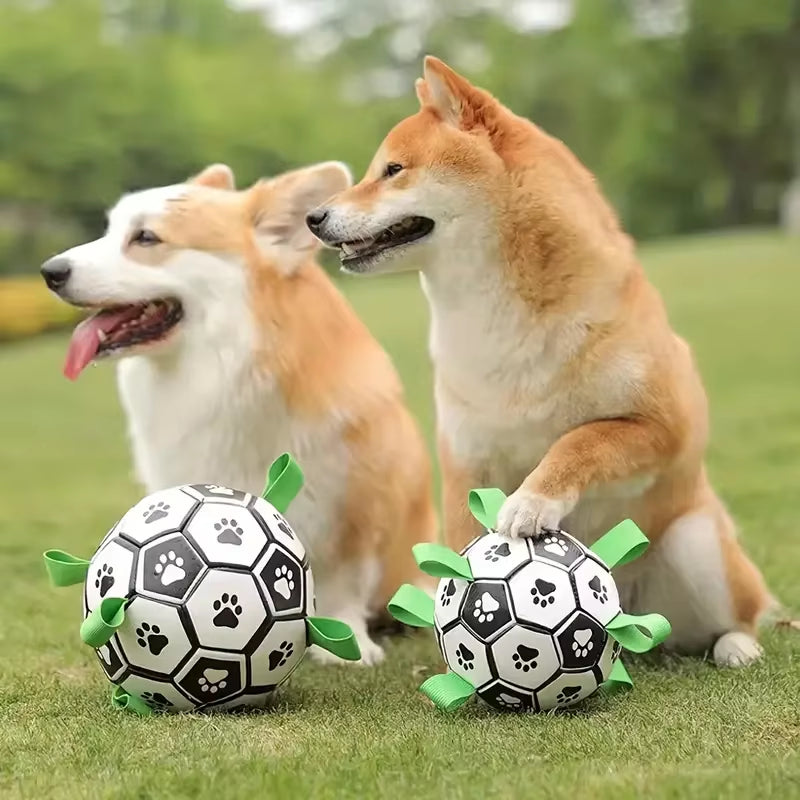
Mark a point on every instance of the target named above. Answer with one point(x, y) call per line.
point(526, 514)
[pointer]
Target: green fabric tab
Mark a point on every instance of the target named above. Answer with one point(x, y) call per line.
point(334, 636)
point(441, 562)
point(103, 622)
point(485, 505)
point(639, 633)
point(64, 569)
point(284, 481)
point(129, 702)
point(448, 691)
point(412, 606)
point(622, 544)
point(618, 679)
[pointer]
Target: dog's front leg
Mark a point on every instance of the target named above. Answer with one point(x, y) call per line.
point(592, 454)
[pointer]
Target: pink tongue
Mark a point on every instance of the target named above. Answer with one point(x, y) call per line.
point(85, 342)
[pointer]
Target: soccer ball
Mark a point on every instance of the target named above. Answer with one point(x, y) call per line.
point(218, 589)
point(529, 631)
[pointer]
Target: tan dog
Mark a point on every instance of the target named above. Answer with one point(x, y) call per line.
point(558, 377)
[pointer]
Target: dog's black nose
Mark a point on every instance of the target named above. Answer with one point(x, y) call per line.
point(315, 218)
point(56, 272)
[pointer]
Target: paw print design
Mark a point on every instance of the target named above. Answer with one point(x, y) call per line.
point(567, 693)
point(212, 680)
point(157, 701)
point(284, 526)
point(170, 568)
point(582, 642)
point(150, 636)
point(525, 658)
point(284, 582)
point(228, 531)
point(508, 701)
point(448, 592)
point(221, 490)
point(598, 589)
point(556, 545)
point(465, 657)
point(156, 512)
point(105, 579)
point(228, 611)
point(280, 655)
point(485, 606)
point(542, 593)
point(497, 551)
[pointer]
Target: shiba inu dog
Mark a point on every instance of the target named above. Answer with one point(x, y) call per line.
point(557, 375)
point(234, 346)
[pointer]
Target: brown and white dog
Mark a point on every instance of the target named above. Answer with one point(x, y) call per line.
point(234, 347)
point(558, 377)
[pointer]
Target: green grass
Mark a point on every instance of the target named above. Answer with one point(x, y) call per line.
point(687, 730)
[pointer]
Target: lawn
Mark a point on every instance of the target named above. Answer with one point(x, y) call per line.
point(687, 729)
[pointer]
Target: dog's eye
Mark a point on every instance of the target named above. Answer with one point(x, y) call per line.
point(392, 169)
point(145, 238)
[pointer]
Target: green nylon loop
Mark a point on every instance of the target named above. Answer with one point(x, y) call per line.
point(334, 636)
point(103, 622)
point(284, 481)
point(485, 505)
point(448, 691)
point(639, 633)
point(622, 544)
point(412, 606)
point(618, 679)
point(128, 702)
point(65, 569)
point(440, 561)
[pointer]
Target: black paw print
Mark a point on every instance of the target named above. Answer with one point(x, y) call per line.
point(567, 693)
point(497, 551)
point(229, 531)
point(156, 512)
point(598, 589)
point(525, 658)
point(228, 611)
point(157, 701)
point(448, 592)
point(465, 656)
point(105, 579)
point(280, 655)
point(542, 592)
point(284, 526)
point(150, 636)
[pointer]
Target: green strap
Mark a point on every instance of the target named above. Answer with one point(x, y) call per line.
point(485, 505)
point(334, 636)
point(623, 543)
point(448, 691)
point(441, 562)
point(64, 569)
point(129, 702)
point(412, 606)
point(618, 679)
point(284, 481)
point(103, 622)
point(639, 633)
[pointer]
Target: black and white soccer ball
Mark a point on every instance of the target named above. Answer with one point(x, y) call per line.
point(529, 631)
point(218, 589)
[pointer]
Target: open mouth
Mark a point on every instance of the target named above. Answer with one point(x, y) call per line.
point(119, 328)
point(411, 229)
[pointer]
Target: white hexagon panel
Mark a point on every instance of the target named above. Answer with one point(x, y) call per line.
point(214, 493)
point(158, 513)
point(153, 636)
point(566, 690)
point(277, 655)
point(311, 598)
point(211, 675)
point(283, 581)
point(597, 591)
point(495, 556)
point(447, 601)
point(542, 595)
point(168, 568)
point(610, 654)
point(159, 695)
point(503, 697)
point(226, 609)
point(466, 656)
point(525, 658)
point(278, 527)
point(226, 534)
point(110, 573)
point(558, 548)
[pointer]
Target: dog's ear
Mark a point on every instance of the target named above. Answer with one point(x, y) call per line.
point(279, 207)
point(216, 176)
point(454, 99)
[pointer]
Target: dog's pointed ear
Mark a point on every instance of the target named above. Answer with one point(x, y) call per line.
point(215, 176)
point(455, 100)
point(279, 207)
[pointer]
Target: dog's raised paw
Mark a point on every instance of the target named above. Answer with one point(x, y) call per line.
point(525, 514)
